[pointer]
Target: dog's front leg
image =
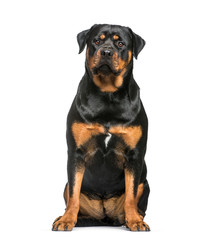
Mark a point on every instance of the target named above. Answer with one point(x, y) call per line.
point(133, 220)
point(133, 192)
point(69, 219)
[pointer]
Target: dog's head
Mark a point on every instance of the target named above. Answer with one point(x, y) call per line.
point(110, 49)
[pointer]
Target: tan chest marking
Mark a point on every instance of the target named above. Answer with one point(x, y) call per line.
point(130, 135)
point(82, 132)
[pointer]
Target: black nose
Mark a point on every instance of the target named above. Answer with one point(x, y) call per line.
point(106, 52)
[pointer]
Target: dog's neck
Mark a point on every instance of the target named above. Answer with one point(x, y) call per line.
point(106, 106)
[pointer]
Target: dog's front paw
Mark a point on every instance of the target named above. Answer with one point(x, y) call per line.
point(64, 223)
point(136, 224)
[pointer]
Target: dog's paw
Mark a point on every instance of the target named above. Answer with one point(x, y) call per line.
point(64, 223)
point(137, 225)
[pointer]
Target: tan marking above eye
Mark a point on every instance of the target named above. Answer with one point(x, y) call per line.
point(102, 36)
point(115, 37)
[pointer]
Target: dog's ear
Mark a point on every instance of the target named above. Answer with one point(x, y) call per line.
point(82, 38)
point(138, 43)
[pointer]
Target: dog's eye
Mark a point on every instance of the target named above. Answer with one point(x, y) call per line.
point(120, 44)
point(97, 42)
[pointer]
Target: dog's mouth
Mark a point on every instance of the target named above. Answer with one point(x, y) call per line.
point(105, 68)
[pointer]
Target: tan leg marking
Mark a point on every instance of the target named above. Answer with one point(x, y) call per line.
point(114, 208)
point(69, 219)
point(91, 207)
point(90, 148)
point(119, 154)
point(66, 194)
point(133, 220)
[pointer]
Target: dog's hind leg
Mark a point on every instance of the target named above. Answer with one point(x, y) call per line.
point(143, 199)
point(91, 212)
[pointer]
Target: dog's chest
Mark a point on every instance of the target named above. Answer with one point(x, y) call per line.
point(87, 134)
point(103, 150)
point(108, 109)
point(107, 139)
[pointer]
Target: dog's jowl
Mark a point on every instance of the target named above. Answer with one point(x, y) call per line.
point(107, 136)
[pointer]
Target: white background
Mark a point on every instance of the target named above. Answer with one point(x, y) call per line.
point(39, 72)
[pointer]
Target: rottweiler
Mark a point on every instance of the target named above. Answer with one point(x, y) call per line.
point(107, 136)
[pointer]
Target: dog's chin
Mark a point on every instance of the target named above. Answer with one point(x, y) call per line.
point(105, 69)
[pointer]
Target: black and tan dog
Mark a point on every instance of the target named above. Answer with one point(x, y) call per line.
point(107, 136)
